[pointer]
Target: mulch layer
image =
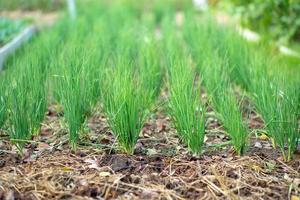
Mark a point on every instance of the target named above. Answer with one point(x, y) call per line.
point(161, 167)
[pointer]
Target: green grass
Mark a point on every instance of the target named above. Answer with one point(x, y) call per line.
point(3, 102)
point(76, 88)
point(150, 67)
point(231, 117)
point(185, 106)
point(26, 101)
point(277, 100)
point(37, 96)
point(75, 77)
point(9, 28)
point(18, 116)
point(228, 43)
point(258, 77)
point(133, 77)
point(45, 5)
point(201, 37)
point(26, 90)
point(237, 51)
point(224, 101)
point(221, 58)
point(125, 104)
point(289, 118)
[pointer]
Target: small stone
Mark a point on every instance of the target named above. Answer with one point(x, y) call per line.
point(268, 146)
point(2, 163)
point(151, 152)
point(104, 174)
point(258, 145)
point(148, 194)
point(120, 163)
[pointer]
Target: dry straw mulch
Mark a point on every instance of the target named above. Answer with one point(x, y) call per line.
point(161, 167)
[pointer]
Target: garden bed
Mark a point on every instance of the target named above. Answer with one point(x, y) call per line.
point(159, 168)
point(169, 105)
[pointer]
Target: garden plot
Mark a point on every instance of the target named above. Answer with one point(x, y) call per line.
point(107, 109)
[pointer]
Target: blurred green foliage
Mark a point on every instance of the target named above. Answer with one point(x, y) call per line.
point(45, 5)
point(8, 28)
point(279, 19)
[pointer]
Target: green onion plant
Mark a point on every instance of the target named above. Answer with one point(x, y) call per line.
point(185, 106)
point(27, 102)
point(75, 84)
point(224, 101)
point(125, 103)
point(3, 102)
point(277, 101)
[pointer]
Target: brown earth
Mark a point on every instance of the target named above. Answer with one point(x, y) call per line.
point(161, 167)
point(39, 18)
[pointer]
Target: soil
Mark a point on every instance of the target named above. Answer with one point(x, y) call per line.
point(39, 18)
point(161, 167)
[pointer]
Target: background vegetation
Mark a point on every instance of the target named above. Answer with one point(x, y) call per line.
point(45, 5)
point(279, 19)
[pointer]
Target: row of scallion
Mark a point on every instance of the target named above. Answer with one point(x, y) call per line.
point(121, 53)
